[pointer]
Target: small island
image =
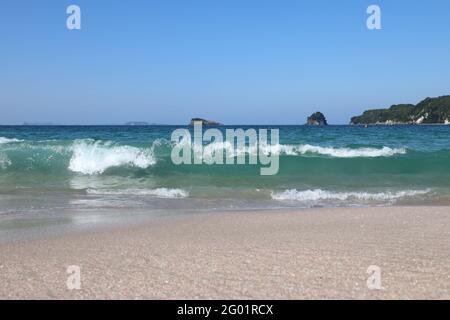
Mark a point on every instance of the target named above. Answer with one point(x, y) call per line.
point(317, 119)
point(428, 111)
point(204, 122)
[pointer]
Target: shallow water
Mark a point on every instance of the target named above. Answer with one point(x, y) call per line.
point(78, 168)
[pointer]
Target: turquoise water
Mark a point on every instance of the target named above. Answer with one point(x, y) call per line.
point(102, 167)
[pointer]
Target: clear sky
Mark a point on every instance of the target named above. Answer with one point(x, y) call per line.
point(235, 61)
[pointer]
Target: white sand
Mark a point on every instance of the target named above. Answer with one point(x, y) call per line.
point(319, 253)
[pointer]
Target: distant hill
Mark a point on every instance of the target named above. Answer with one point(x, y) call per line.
point(428, 111)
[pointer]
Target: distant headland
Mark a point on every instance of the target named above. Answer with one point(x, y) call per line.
point(428, 111)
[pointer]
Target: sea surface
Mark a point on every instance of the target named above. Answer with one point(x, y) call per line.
point(63, 171)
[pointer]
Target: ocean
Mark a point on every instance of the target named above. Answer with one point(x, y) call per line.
point(71, 169)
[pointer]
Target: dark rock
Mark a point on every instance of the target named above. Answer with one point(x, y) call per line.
point(204, 122)
point(316, 119)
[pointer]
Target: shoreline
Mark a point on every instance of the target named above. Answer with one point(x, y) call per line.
point(61, 224)
point(292, 254)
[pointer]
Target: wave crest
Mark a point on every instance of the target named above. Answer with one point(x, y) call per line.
point(293, 150)
point(336, 152)
point(91, 157)
point(158, 192)
point(320, 195)
point(4, 140)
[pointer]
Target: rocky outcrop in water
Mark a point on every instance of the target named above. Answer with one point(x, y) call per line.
point(204, 122)
point(316, 119)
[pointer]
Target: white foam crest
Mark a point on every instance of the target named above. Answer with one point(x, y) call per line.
point(319, 194)
point(337, 152)
point(167, 193)
point(292, 150)
point(90, 157)
point(4, 140)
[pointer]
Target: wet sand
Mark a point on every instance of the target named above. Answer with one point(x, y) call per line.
point(304, 254)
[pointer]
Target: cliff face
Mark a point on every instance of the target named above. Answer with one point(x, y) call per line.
point(204, 122)
point(429, 111)
point(316, 119)
point(433, 110)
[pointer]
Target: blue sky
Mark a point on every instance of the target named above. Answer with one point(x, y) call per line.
point(235, 61)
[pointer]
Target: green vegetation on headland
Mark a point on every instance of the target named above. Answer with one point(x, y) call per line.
point(317, 119)
point(428, 111)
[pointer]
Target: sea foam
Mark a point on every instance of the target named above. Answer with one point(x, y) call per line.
point(319, 194)
point(91, 157)
point(158, 192)
point(4, 140)
point(305, 149)
point(296, 150)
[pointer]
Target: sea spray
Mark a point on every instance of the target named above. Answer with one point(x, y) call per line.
point(95, 157)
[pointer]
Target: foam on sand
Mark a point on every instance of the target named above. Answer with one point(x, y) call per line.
point(167, 193)
point(320, 195)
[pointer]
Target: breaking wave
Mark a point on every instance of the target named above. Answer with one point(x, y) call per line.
point(91, 157)
point(337, 152)
point(158, 192)
point(4, 140)
point(292, 150)
point(320, 195)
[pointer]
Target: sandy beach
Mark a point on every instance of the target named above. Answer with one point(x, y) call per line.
point(305, 254)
